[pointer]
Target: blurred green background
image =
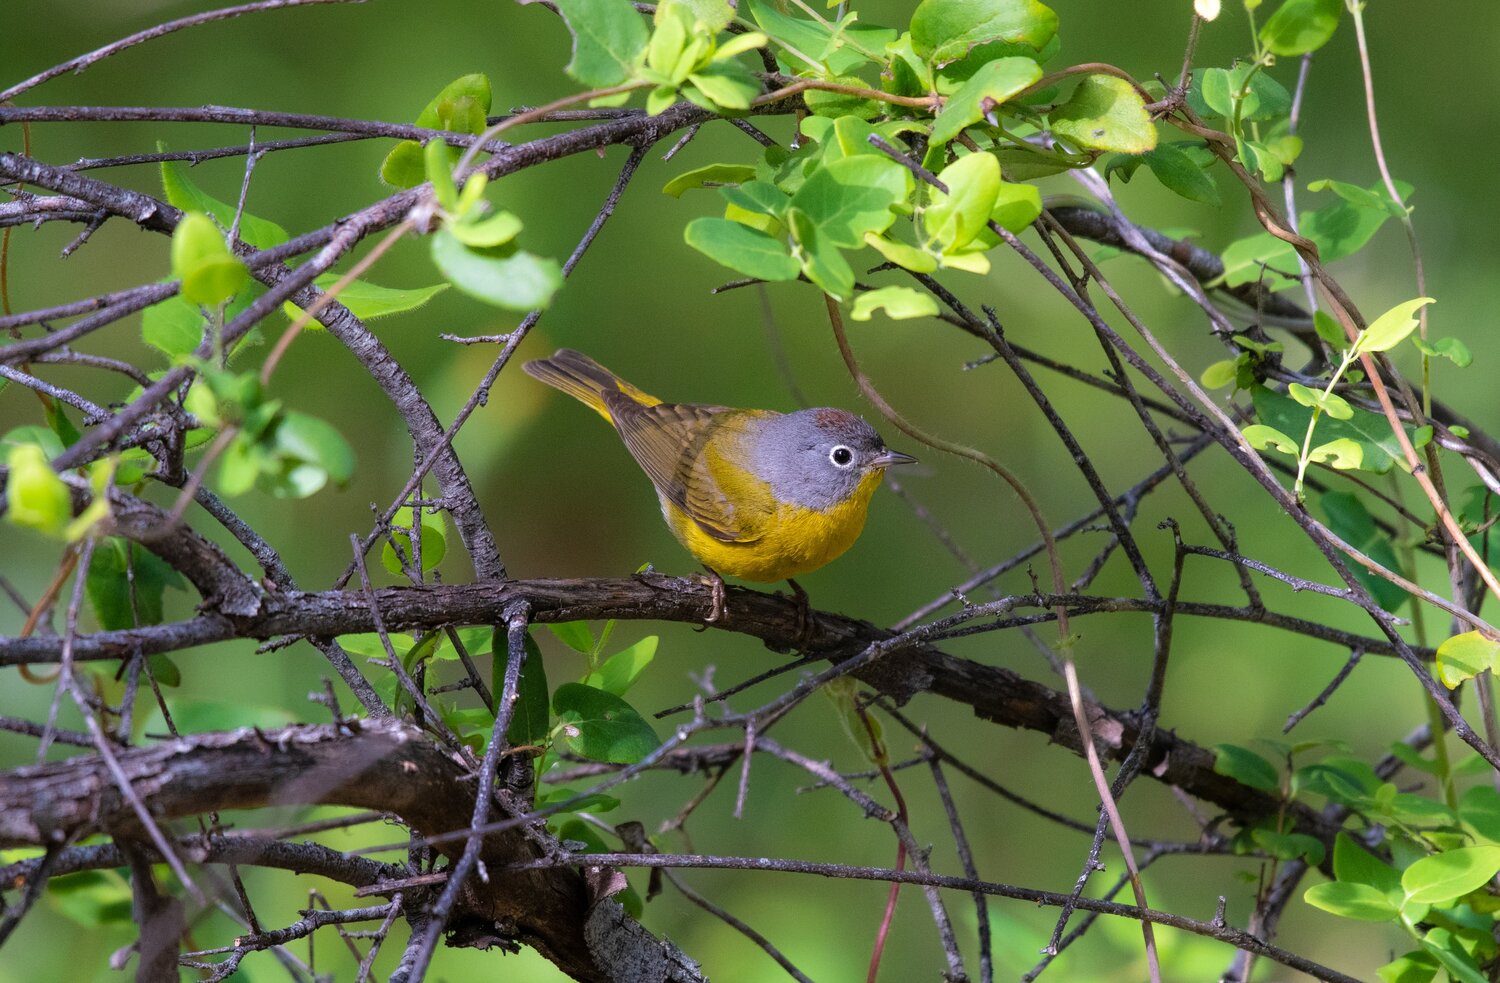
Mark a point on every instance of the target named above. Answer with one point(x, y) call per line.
point(565, 500)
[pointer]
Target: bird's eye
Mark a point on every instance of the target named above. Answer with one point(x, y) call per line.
point(841, 456)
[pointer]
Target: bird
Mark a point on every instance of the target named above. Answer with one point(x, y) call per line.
point(756, 494)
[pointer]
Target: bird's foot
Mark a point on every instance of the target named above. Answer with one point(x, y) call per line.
point(804, 615)
point(716, 595)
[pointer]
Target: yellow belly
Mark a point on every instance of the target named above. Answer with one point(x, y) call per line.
point(794, 541)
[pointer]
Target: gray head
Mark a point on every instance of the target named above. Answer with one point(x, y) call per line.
point(817, 458)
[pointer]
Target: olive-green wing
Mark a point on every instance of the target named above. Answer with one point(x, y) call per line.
point(688, 450)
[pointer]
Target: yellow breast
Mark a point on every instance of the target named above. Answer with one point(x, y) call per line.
point(793, 540)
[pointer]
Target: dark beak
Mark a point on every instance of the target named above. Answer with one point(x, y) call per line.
point(888, 457)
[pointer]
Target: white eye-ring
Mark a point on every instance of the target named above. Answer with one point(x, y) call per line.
point(841, 456)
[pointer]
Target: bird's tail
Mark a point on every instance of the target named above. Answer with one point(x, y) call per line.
point(585, 380)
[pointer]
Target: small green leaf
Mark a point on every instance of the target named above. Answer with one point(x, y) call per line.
point(987, 88)
point(173, 326)
point(952, 220)
point(620, 671)
point(821, 260)
point(600, 726)
point(1357, 901)
point(209, 272)
point(1289, 846)
point(903, 255)
point(481, 231)
point(1448, 876)
point(1342, 454)
point(1414, 967)
point(1331, 403)
point(1352, 522)
point(305, 454)
point(899, 304)
point(728, 84)
point(1378, 444)
point(531, 719)
point(836, 105)
point(851, 196)
point(1263, 437)
point(1352, 863)
point(741, 248)
point(1300, 26)
point(1465, 656)
point(943, 31)
point(460, 107)
point(120, 568)
point(503, 276)
point(1450, 348)
point(1330, 331)
point(367, 301)
point(1105, 113)
point(575, 635)
point(710, 176)
point(1016, 206)
point(183, 193)
point(1220, 374)
point(1391, 328)
point(1180, 174)
point(608, 39)
point(35, 496)
point(434, 540)
point(1246, 767)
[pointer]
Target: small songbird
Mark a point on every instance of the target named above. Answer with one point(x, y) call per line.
point(755, 494)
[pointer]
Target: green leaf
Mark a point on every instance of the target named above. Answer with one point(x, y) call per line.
point(1016, 206)
point(1465, 656)
point(209, 272)
point(952, 220)
point(35, 496)
point(92, 898)
point(173, 326)
point(943, 31)
point(1414, 967)
point(460, 107)
point(1450, 348)
point(1220, 374)
point(1460, 966)
point(741, 248)
point(1262, 438)
point(1352, 863)
point(366, 300)
point(1391, 328)
point(306, 453)
point(992, 85)
point(1213, 92)
point(609, 37)
point(1331, 403)
point(903, 255)
point(434, 540)
point(480, 231)
point(620, 671)
point(1448, 876)
point(800, 39)
point(728, 84)
point(1300, 26)
point(1330, 331)
point(1105, 113)
point(1180, 174)
point(600, 726)
point(1246, 767)
point(820, 259)
point(183, 193)
point(1357, 901)
point(851, 196)
point(1378, 444)
point(1289, 846)
point(503, 276)
point(1352, 522)
point(836, 105)
point(899, 304)
point(531, 718)
point(116, 565)
point(710, 176)
point(1480, 808)
point(575, 635)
